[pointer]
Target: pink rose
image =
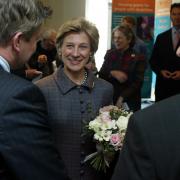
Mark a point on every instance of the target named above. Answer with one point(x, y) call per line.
point(107, 108)
point(115, 139)
point(105, 116)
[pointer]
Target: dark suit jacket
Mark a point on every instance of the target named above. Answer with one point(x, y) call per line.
point(26, 145)
point(164, 58)
point(152, 150)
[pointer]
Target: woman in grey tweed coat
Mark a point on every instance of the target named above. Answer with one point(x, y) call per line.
point(74, 96)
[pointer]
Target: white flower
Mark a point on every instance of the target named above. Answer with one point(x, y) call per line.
point(123, 121)
point(95, 124)
point(106, 135)
point(108, 125)
point(98, 137)
point(103, 135)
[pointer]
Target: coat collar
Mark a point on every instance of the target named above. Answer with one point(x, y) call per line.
point(65, 84)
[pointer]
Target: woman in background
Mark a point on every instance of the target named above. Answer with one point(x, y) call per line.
point(74, 96)
point(124, 69)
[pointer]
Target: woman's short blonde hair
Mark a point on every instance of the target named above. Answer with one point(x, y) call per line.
point(79, 25)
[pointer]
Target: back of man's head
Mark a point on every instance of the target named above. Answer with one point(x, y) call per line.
point(24, 16)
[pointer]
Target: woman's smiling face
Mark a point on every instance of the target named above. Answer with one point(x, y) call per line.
point(75, 51)
point(120, 40)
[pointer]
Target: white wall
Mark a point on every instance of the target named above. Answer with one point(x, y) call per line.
point(64, 10)
point(98, 12)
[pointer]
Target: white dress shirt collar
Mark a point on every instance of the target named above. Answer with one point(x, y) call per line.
point(4, 64)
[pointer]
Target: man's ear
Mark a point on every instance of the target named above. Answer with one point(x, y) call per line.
point(16, 41)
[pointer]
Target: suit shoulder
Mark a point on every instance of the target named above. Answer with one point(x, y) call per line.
point(19, 90)
point(104, 84)
point(110, 51)
point(164, 34)
point(45, 82)
point(15, 82)
point(159, 111)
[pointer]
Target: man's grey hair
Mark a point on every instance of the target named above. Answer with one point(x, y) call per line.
point(47, 34)
point(24, 16)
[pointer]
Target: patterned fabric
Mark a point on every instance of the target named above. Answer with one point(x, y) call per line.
point(70, 107)
point(134, 66)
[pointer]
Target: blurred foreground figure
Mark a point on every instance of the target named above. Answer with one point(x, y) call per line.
point(151, 149)
point(27, 151)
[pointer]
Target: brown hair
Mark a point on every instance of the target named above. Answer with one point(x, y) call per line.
point(129, 19)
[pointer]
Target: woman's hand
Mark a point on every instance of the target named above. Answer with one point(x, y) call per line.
point(119, 75)
point(119, 102)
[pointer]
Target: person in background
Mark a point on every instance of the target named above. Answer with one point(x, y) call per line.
point(45, 53)
point(164, 62)
point(40, 63)
point(27, 72)
point(145, 28)
point(27, 149)
point(124, 69)
point(151, 148)
point(139, 45)
point(74, 96)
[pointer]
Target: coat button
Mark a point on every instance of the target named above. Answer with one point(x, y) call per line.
point(81, 172)
point(80, 91)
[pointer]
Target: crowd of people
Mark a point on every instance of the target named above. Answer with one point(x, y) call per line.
point(44, 109)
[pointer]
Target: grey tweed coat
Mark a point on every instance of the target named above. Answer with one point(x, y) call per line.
point(70, 106)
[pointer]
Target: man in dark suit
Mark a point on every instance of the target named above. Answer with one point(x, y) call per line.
point(27, 151)
point(164, 61)
point(151, 148)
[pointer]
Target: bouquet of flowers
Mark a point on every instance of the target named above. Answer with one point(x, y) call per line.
point(108, 130)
